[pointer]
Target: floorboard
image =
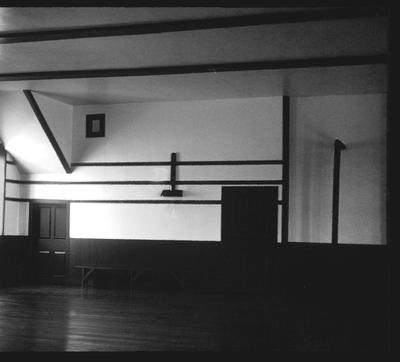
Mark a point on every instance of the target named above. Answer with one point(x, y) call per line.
point(57, 318)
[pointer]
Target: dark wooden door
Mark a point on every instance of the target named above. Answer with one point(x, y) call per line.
point(50, 230)
point(249, 228)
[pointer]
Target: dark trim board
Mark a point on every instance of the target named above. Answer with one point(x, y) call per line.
point(124, 164)
point(190, 202)
point(285, 168)
point(47, 130)
point(229, 163)
point(4, 190)
point(161, 242)
point(186, 25)
point(231, 182)
point(294, 245)
point(338, 148)
point(17, 199)
point(180, 201)
point(130, 182)
point(199, 68)
point(178, 163)
point(290, 245)
point(11, 163)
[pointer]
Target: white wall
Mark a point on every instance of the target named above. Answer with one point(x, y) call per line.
point(136, 221)
point(30, 148)
point(359, 121)
point(59, 117)
point(16, 220)
point(233, 129)
point(23, 136)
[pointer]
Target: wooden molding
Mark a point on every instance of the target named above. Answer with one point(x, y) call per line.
point(199, 68)
point(11, 37)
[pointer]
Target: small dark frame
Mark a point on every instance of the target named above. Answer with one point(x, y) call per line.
point(91, 130)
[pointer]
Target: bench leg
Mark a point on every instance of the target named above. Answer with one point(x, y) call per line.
point(85, 275)
point(131, 280)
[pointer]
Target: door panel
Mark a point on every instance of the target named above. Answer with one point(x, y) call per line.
point(50, 230)
point(249, 229)
point(59, 259)
point(249, 218)
point(45, 222)
point(60, 231)
point(44, 258)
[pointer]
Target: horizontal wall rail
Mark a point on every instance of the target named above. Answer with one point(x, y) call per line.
point(178, 163)
point(160, 201)
point(130, 182)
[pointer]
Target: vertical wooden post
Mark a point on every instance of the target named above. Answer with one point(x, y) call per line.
point(172, 192)
point(4, 155)
point(285, 168)
point(173, 171)
point(339, 147)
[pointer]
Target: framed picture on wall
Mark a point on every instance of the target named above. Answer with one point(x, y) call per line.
point(95, 125)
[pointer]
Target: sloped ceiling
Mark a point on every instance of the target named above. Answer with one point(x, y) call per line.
point(25, 19)
point(345, 37)
point(21, 132)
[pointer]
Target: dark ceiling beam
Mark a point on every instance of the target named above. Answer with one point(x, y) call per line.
point(185, 25)
point(199, 68)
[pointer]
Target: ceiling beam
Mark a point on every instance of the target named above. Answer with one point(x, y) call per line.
point(186, 25)
point(198, 68)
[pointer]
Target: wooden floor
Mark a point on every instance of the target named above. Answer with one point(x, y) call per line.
point(58, 318)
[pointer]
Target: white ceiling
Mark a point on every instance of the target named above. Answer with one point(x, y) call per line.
point(40, 18)
point(253, 43)
point(298, 82)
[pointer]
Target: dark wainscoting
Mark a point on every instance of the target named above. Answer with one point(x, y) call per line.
point(349, 283)
point(196, 259)
point(15, 252)
point(305, 272)
point(330, 273)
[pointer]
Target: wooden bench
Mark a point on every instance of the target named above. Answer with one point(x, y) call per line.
point(88, 270)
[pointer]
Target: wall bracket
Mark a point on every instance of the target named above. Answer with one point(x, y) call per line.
point(172, 192)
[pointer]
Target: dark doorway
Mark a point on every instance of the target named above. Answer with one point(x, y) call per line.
point(50, 232)
point(249, 229)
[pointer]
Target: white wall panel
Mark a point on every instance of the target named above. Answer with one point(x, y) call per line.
point(59, 118)
point(162, 173)
point(16, 218)
point(108, 173)
point(359, 121)
point(23, 136)
point(160, 222)
point(118, 192)
point(234, 129)
point(13, 190)
point(236, 172)
point(12, 172)
point(23, 222)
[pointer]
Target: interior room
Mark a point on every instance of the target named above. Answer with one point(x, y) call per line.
point(194, 178)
